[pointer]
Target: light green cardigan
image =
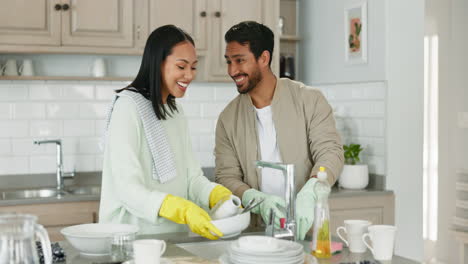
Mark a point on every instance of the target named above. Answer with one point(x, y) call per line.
point(129, 193)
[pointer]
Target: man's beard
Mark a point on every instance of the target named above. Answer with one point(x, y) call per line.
point(253, 81)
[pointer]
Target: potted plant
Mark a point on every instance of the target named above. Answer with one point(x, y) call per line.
point(354, 175)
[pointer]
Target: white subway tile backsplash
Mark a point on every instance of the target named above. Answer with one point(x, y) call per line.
point(62, 110)
point(46, 128)
point(78, 92)
point(14, 165)
point(207, 143)
point(75, 112)
point(212, 109)
point(191, 109)
point(70, 145)
point(225, 92)
point(199, 126)
point(5, 146)
point(197, 92)
point(106, 92)
point(28, 110)
point(27, 147)
point(43, 164)
point(80, 163)
point(100, 127)
point(45, 92)
point(79, 128)
point(206, 159)
point(12, 92)
point(373, 127)
point(89, 146)
point(93, 110)
point(5, 111)
point(13, 128)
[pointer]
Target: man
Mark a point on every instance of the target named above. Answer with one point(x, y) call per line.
point(274, 120)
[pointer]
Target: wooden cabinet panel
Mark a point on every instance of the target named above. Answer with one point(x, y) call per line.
point(190, 15)
point(230, 13)
point(56, 216)
point(29, 22)
point(106, 23)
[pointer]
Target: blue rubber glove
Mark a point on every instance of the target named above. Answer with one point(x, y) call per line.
point(270, 202)
point(305, 206)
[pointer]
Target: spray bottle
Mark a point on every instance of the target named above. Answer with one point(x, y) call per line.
point(321, 243)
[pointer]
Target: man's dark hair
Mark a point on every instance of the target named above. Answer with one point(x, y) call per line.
point(148, 81)
point(258, 36)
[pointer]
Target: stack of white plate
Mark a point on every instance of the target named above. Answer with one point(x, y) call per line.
point(263, 249)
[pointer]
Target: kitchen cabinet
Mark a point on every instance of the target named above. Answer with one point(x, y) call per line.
point(71, 26)
point(55, 216)
point(378, 209)
point(207, 21)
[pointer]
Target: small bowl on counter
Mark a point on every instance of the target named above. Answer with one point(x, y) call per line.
point(95, 239)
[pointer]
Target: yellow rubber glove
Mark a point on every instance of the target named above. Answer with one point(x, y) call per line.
point(219, 193)
point(182, 211)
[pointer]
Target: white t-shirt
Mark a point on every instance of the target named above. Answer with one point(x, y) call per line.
point(273, 181)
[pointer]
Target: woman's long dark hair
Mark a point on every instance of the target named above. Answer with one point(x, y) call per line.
point(148, 81)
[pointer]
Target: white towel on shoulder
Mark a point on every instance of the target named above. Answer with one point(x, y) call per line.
point(163, 159)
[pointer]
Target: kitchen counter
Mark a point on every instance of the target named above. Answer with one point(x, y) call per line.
point(181, 248)
point(32, 182)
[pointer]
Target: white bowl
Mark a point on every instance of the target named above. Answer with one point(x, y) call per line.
point(94, 239)
point(232, 226)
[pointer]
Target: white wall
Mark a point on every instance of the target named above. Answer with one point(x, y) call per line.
point(322, 27)
point(395, 57)
point(405, 32)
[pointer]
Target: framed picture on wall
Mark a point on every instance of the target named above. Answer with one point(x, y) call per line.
point(355, 17)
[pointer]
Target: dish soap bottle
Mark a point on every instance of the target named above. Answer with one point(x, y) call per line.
point(321, 243)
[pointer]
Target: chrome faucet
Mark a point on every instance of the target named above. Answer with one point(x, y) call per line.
point(288, 231)
point(60, 174)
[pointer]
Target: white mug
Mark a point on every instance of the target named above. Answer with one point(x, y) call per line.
point(226, 208)
point(11, 68)
point(354, 230)
point(26, 69)
point(98, 69)
point(383, 241)
point(148, 251)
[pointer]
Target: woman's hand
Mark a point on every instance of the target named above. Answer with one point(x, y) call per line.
point(182, 211)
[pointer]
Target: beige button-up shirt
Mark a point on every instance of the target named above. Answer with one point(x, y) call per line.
point(305, 130)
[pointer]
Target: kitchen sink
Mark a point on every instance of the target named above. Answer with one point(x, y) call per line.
point(216, 248)
point(84, 190)
point(49, 192)
point(30, 194)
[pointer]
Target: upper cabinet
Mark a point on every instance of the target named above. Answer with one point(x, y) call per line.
point(122, 26)
point(71, 26)
point(190, 15)
point(29, 22)
point(103, 23)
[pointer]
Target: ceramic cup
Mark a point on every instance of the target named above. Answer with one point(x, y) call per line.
point(26, 69)
point(148, 251)
point(383, 241)
point(98, 68)
point(354, 230)
point(10, 68)
point(227, 208)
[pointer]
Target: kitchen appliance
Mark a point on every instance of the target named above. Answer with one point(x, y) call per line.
point(18, 239)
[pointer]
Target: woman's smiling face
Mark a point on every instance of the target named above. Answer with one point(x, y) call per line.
point(178, 70)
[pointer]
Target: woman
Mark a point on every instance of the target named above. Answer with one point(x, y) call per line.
point(150, 176)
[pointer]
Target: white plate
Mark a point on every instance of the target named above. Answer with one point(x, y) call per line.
point(225, 259)
point(285, 249)
point(260, 243)
point(163, 261)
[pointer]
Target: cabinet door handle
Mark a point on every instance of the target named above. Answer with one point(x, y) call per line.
point(57, 7)
point(65, 7)
point(217, 14)
point(203, 13)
